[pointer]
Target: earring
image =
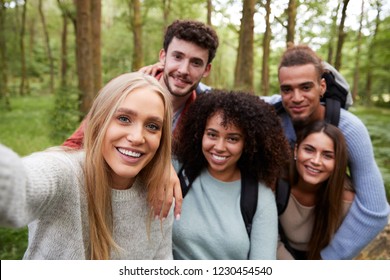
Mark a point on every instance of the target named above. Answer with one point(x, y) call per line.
point(295, 157)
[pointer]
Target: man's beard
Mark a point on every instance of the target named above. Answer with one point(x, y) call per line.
point(172, 92)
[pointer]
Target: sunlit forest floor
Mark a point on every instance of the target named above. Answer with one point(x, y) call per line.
point(26, 129)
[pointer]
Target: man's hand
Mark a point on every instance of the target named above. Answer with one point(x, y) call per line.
point(153, 69)
point(165, 199)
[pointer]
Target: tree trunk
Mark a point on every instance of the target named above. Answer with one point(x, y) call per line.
point(341, 38)
point(209, 79)
point(84, 55)
point(96, 15)
point(64, 51)
point(209, 12)
point(23, 79)
point(166, 12)
point(138, 56)
point(266, 51)
point(371, 52)
point(4, 95)
point(357, 61)
point(332, 34)
point(48, 48)
point(244, 65)
point(291, 15)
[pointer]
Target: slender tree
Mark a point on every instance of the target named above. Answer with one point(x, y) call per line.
point(166, 11)
point(136, 24)
point(358, 54)
point(209, 11)
point(84, 54)
point(86, 40)
point(4, 94)
point(244, 65)
point(291, 21)
point(341, 36)
point(266, 50)
point(333, 32)
point(23, 80)
point(48, 47)
point(64, 45)
point(209, 79)
point(96, 15)
point(370, 60)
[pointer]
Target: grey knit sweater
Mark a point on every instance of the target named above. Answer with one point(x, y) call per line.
point(45, 190)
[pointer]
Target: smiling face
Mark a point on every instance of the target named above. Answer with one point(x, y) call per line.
point(185, 65)
point(301, 90)
point(315, 159)
point(222, 147)
point(133, 135)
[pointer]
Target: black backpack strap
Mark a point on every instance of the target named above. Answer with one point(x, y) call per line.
point(282, 195)
point(297, 254)
point(185, 183)
point(332, 111)
point(248, 202)
point(278, 106)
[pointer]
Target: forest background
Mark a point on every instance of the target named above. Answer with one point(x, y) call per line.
point(56, 54)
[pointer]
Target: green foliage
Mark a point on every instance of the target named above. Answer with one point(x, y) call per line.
point(25, 127)
point(13, 243)
point(65, 116)
point(377, 122)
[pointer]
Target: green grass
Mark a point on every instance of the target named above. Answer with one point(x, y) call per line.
point(377, 121)
point(26, 129)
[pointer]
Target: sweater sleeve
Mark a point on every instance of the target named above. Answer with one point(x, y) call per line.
point(28, 186)
point(369, 212)
point(264, 234)
point(165, 250)
point(12, 178)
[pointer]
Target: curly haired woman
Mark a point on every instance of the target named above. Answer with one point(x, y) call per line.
point(222, 134)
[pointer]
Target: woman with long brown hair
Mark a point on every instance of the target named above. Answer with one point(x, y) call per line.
point(321, 193)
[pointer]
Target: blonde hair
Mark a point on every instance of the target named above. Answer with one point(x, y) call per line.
point(155, 175)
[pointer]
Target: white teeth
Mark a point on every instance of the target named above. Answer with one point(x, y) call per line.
point(218, 157)
point(313, 170)
point(129, 153)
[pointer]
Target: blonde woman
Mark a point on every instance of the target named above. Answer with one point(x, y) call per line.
point(94, 203)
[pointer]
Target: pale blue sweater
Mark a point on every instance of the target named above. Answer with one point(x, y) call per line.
point(211, 226)
point(370, 209)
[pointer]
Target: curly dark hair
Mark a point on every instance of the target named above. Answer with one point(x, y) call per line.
point(266, 150)
point(195, 32)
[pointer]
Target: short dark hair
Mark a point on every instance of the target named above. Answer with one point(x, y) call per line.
point(297, 55)
point(195, 32)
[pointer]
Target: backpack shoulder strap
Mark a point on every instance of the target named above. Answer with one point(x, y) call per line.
point(282, 195)
point(185, 183)
point(248, 202)
point(332, 111)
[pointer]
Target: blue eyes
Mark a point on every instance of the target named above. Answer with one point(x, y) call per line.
point(124, 120)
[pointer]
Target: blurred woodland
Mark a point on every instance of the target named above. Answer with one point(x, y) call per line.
point(69, 48)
